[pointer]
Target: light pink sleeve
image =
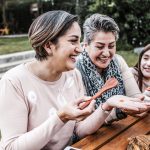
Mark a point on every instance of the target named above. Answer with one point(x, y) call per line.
point(14, 122)
point(131, 87)
point(92, 123)
point(82, 90)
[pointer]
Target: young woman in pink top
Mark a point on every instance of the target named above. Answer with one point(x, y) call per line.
point(141, 71)
point(39, 100)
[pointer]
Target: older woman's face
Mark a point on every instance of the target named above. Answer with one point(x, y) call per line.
point(145, 64)
point(102, 49)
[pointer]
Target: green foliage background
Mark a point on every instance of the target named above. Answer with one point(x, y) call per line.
point(132, 16)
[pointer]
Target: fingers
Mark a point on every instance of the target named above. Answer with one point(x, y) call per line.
point(89, 109)
point(74, 112)
point(141, 114)
point(81, 100)
point(147, 103)
point(133, 105)
point(136, 99)
point(129, 112)
point(141, 97)
point(81, 118)
point(78, 101)
point(147, 99)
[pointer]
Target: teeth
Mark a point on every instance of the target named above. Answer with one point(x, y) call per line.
point(103, 60)
point(147, 68)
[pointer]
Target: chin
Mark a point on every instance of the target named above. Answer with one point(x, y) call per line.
point(70, 67)
point(102, 66)
point(147, 76)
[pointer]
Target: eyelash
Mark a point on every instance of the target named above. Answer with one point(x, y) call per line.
point(145, 58)
point(110, 47)
point(73, 41)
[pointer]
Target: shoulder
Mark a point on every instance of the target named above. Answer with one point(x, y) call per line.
point(15, 74)
point(121, 62)
point(119, 58)
point(134, 72)
point(75, 73)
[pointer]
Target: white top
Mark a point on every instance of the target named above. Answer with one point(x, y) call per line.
point(131, 87)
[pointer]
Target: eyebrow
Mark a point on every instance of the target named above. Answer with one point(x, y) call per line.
point(75, 36)
point(104, 43)
point(146, 55)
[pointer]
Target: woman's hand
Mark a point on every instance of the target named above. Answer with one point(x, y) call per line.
point(140, 113)
point(72, 110)
point(127, 104)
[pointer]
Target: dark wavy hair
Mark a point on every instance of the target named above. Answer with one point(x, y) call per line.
point(137, 66)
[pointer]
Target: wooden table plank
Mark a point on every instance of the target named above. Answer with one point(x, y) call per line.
point(120, 142)
point(105, 134)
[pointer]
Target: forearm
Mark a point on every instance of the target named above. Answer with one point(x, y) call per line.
point(36, 138)
point(92, 123)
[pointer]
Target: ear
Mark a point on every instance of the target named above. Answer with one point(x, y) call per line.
point(49, 48)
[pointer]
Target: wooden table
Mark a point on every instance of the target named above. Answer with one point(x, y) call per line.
point(115, 137)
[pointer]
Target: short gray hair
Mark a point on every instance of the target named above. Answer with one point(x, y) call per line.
point(49, 27)
point(99, 22)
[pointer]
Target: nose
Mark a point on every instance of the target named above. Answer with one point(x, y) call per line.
point(78, 49)
point(106, 52)
point(148, 62)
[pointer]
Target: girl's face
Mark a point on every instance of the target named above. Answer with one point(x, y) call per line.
point(67, 49)
point(145, 64)
point(102, 49)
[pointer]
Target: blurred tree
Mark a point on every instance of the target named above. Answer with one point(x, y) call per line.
point(5, 3)
point(132, 16)
point(3, 9)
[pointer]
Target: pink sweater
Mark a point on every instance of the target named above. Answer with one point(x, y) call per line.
point(28, 105)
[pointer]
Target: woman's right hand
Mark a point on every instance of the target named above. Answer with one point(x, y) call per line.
point(126, 103)
point(72, 111)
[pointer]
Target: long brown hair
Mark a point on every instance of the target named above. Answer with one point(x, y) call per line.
point(137, 66)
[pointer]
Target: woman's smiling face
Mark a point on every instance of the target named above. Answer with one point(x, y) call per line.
point(145, 65)
point(68, 48)
point(102, 49)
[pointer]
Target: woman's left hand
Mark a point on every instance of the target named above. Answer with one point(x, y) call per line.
point(128, 104)
point(141, 112)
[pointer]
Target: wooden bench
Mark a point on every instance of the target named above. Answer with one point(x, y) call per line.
point(115, 137)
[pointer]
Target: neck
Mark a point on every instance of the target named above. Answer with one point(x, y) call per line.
point(44, 70)
point(99, 70)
